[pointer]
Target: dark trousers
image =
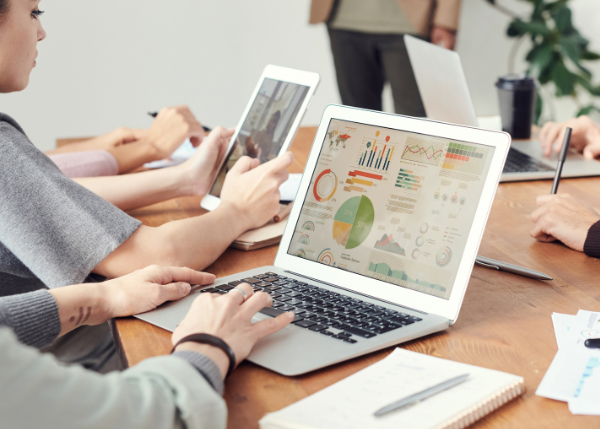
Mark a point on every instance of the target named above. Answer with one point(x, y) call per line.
point(364, 62)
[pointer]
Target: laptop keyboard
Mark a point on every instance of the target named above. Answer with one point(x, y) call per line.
point(320, 310)
point(519, 162)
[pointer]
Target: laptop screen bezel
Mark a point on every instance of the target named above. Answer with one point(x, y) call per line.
point(448, 308)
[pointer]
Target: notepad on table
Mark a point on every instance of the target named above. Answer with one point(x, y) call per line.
point(350, 403)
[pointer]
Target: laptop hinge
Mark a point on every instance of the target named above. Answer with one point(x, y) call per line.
point(353, 291)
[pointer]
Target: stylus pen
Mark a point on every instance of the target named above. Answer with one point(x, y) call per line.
point(493, 264)
point(422, 395)
point(206, 129)
point(561, 159)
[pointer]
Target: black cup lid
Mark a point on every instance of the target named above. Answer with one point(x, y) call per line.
point(515, 82)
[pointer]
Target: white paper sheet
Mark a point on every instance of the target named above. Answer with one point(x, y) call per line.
point(182, 154)
point(289, 188)
point(574, 375)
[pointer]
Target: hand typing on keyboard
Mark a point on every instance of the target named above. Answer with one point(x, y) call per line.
point(229, 317)
point(320, 310)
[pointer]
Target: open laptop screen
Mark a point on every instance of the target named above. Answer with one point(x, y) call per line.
point(392, 205)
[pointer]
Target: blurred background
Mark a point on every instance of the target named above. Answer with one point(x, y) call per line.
point(107, 63)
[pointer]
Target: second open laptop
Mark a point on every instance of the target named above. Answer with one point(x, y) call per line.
point(446, 97)
point(381, 241)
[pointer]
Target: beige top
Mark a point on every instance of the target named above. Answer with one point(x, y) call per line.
point(373, 16)
point(422, 14)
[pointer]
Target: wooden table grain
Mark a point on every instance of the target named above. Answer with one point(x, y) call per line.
point(504, 322)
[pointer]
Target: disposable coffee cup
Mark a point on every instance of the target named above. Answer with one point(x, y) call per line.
point(516, 94)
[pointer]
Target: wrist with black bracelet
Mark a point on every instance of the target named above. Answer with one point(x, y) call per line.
point(211, 346)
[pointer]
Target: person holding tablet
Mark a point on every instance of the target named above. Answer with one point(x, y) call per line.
point(55, 231)
point(181, 390)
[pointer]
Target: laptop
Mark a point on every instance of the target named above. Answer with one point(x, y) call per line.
point(446, 97)
point(381, 241)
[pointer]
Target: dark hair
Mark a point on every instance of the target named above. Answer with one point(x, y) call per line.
point(3, 7)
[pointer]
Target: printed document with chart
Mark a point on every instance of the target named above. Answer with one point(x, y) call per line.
point(392, 205)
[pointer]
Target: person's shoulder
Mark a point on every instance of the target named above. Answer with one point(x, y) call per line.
point(6, 122)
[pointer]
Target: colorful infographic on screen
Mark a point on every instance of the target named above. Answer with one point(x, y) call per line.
point(392, 205)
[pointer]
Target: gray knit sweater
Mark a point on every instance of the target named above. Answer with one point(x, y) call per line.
point(34, 319)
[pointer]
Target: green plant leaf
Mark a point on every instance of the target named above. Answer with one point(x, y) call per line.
point(587, 110)
point(590, 56)
point(540, 57)
point(563, 79)
point(569, 48)
point(586, 83)
point(564, 23)
point(519, 27)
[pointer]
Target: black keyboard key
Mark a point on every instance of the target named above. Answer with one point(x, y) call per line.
point(360, 332)
point(386, 328)
point(286, 308)
point(271, 273)
point(300, 311)
point(284, 290)
point(298, 282)
point(294, 302)
point(401, 321)
point(274, 294)
point(272, 288)
point(261, 276)
point(208, 290)
point(317, 328)
point(293, 293)
point(328, 333)
point(297, 318)
point(220, 292)
point(235, 283)
point(225, 287)
point(271, 279)
point(281, 282)
point(305, 323)
point(284, 298)
point(414, 319)
point(270, 311)
point(262, 284)
point(251, 280)
point(277, 304)
point(348, 340)
point(340, 326)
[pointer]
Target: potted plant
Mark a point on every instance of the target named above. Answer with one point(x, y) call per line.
point(557, 54)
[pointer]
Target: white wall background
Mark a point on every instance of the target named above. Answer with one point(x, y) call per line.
point(106, 63)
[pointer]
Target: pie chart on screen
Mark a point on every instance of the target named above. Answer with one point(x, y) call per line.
point(353, 222)
point(325, 186)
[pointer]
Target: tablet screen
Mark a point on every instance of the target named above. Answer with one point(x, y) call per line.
point(392, 205)
point(266, 126)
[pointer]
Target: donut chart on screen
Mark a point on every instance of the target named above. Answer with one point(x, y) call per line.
point(353, 222)
point(325, 186)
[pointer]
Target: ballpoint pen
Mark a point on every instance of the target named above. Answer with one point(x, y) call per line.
point(561, 159)
point(206, 129)
point(510, 268)
point(422, 395)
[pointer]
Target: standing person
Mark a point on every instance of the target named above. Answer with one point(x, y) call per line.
point(367, 42)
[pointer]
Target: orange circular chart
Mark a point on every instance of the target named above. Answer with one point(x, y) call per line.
point(325, 186)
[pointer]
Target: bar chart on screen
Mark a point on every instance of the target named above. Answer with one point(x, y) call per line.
point(410, 180)
point(376, 154)
point(358, 180)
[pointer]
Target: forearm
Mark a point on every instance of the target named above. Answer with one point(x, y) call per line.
point(195, 243)
point(133, 155)
point(79, 305)
point(131, 191)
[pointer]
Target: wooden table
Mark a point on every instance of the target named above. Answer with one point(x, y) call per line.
point(504, 323)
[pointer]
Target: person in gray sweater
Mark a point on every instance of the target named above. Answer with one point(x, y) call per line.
point(176, 391)
point(55, 231)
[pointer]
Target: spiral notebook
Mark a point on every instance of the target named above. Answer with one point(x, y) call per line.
point(350, 403)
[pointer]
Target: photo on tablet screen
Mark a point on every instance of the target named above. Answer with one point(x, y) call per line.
point(266, 126)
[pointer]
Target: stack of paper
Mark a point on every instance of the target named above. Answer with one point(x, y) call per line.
point(574, 375)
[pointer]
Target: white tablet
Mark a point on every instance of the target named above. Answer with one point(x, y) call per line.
point(269, 122)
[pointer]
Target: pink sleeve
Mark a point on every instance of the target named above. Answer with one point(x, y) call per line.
point(86, 164)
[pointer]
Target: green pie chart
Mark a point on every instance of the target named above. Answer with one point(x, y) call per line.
point(353, 221)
